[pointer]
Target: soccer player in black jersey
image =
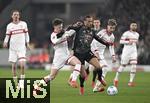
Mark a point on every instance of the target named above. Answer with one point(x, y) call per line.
point(97, 28)
point(82, 48)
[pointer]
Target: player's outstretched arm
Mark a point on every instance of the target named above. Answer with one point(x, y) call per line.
point(75, 26)
point(101, 40)
point(7, 37)
point(58, 38)
point(5, 44)
point(112, 50)
point(69, 33)
point(112, 53)
point(27, 41)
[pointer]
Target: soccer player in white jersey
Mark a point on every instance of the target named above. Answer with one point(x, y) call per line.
point(129, 53)
point(61, 55)
point(17, 33)
point(99, 49)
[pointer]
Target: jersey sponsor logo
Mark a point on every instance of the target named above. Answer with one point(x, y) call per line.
point(18, 31)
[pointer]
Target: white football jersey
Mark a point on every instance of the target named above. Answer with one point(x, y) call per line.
point(105, 36)
point(61, 44)
point(126, 38)
point(18, 34)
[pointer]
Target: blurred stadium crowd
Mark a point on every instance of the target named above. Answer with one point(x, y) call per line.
point(39, 13)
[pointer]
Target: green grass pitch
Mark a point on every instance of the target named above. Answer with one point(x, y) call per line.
point(62, 93)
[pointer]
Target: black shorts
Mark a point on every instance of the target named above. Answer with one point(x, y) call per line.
point(84, 57)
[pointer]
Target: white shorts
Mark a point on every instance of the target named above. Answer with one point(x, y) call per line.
point(60, 61)
point(129, 58)
point(15, 56)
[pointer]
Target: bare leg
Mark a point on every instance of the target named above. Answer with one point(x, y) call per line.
point(94, 61)
point(14, 67)
point(22, 74)
point(76, 71)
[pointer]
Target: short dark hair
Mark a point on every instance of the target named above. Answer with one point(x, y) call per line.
point(57, 21)
point(88, 16)
point(112, 22)
point(97, 18)
point(133, 21)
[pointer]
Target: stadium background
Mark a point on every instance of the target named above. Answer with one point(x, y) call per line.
point(39, 13)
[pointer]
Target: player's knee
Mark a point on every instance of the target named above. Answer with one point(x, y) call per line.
point(97, 66)
point(22, 63)
point(78, 62)
point(74, 61)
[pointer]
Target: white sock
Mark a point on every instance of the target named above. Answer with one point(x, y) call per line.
point(22, 77)
point(105, 70)
point(43, 81)
point(132, 73)
point(98, 83)
point(47, 78)
point(118, 72)
point(76, 72)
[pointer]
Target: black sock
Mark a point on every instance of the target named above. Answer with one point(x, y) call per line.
point(82, 79)
point(99, 72)
point(94, 75)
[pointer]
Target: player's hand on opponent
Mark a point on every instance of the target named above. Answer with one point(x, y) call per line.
point(5, 45)
point(69, 33)
point(114, 59)
point(78, 24)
